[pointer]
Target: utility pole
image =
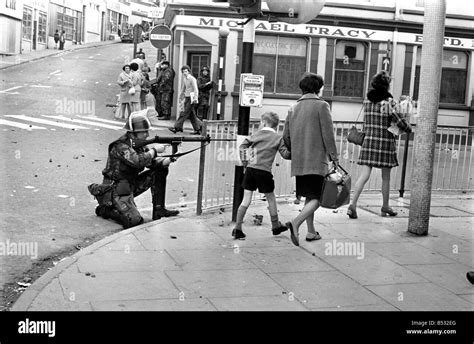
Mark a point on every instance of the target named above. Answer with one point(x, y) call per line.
point(427, 121)
point(244, 111)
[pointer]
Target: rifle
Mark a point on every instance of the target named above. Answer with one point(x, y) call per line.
point(174, 141)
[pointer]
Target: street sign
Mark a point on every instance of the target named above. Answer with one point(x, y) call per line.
point(251, 90)
point(160, 36)
point(157, 13)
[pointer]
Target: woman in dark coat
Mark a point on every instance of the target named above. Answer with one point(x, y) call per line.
point(308, 139)
point(379, 147)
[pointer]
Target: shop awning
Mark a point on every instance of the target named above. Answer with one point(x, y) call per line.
point(190, 39)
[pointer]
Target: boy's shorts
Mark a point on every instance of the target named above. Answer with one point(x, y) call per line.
point(255, 178)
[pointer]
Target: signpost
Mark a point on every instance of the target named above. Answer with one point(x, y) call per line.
point(160, 38)
point(251, 90)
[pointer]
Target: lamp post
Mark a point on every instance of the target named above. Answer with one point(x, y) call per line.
point(223, 33)
point(426, 123)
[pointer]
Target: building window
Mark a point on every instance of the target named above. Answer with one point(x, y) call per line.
point(453, 77)
point(282, 60)
point(112, 21)
point(67, 21)
point(11, 4)
point(27, 23)
point(42, 24)
point(349, 69)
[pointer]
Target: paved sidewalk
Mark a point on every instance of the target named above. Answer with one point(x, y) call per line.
point(191, 263)
point(7, 61)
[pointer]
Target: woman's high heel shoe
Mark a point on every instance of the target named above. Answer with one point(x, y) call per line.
point(351, 211)
point(388, 211)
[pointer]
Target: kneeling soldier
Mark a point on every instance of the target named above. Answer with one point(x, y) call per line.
point(125, 178)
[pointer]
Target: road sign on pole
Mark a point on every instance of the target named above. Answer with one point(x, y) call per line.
point(160, 36)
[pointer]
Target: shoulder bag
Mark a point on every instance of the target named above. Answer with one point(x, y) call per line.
point(355, 135)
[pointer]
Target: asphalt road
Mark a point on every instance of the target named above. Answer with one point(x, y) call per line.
point(46, 167)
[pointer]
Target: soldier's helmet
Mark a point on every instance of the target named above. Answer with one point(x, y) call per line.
point(137, 123)
point(205, 68)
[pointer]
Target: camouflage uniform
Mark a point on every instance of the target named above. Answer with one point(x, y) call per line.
point(125, 179)
point(204, 94)
point(164, 92)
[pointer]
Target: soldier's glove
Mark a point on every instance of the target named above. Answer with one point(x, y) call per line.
point(158, 148)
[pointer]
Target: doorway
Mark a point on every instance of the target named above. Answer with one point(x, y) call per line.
point(35, 25)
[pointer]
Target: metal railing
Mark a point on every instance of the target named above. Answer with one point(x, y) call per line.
point(453, 162)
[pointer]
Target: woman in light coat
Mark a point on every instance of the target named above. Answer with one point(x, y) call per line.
point(308, 140)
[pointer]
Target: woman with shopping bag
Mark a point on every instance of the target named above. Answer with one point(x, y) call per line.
point(308, 140)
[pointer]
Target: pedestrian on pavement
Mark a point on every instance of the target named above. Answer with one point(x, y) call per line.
point(137, 82)
point(125, 178)
point(309, 141)
point(145, 92)
point(205, 86)
point(62, 40)
point(257, 155)
point(125, 82)
point(379, 148)
point(190, 94)
point(164, 91)
point(56, 39)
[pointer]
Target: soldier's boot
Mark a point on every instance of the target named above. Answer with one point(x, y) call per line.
point(102, 211)
point(159, 212)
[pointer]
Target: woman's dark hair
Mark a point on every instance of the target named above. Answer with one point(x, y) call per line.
point(186, 67)
point(311, 83)
point(134, 66)
point(123, 68)
point(381, 81)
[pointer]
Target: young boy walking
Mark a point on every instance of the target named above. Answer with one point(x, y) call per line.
point(257, 154)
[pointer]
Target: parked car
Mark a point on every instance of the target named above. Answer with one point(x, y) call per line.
point(127, 37)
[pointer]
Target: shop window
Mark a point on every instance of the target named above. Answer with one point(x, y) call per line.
point(42, 24)
point(282, 60)
point(349, 69)
point(67, 21)
point(453, 77)
point(27, 23)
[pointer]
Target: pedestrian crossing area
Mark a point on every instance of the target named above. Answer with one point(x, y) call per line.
point(59, 122)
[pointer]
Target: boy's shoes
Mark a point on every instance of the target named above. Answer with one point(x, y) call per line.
point(238, 234)
point(280, 229)
point(197, 132)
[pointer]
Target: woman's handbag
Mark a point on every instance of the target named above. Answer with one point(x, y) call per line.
point(355, 135)
point(131, 90)
point(336, 188)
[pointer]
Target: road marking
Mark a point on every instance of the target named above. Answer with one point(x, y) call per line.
point(19, 125)
point(101, 120)
point(44, 86)
point(119, 122)
point(11, 89)
point(44, 121)
point(55, 72)
point(63, 118)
